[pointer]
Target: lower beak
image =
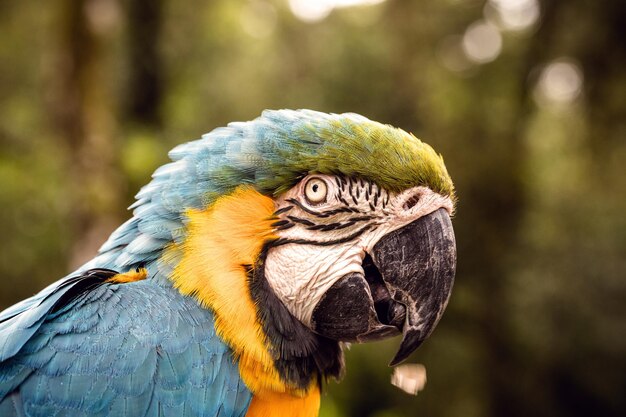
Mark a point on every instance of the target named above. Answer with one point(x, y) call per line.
point(406, 286)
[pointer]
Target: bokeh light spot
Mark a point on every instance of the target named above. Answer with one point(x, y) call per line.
point(515, 15)
point(310, 11)
point(316, 10)
point(560, 82)
point(482, 42)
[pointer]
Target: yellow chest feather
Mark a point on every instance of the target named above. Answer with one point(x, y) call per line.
point(221, 242)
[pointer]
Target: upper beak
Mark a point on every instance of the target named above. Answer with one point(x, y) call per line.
point(406, 286)
point(417, 264)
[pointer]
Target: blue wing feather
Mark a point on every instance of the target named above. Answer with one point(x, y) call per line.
point(132, 349)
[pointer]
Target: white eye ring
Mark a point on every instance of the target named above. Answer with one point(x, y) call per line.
point(315, 191)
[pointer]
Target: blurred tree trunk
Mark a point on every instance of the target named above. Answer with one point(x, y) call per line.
point(145, 88)
point(84, 111)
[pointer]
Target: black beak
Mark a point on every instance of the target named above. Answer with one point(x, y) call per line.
point(407, 283)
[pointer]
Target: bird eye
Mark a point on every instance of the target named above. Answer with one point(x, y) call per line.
point(315, 191)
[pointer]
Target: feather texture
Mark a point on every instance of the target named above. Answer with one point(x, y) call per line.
point(124, 349)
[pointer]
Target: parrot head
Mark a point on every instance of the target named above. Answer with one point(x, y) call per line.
point(302, 230)
point(355, 262)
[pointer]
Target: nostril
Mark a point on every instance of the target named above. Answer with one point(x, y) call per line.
point(411, 202)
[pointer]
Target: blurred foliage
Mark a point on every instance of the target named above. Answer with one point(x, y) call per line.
point(94, 92)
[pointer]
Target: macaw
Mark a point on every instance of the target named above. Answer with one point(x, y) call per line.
point(249, 261)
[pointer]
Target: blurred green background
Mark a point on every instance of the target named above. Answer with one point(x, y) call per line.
point(526, 100)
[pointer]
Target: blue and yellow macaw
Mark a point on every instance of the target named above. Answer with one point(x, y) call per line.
point(247, 263)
